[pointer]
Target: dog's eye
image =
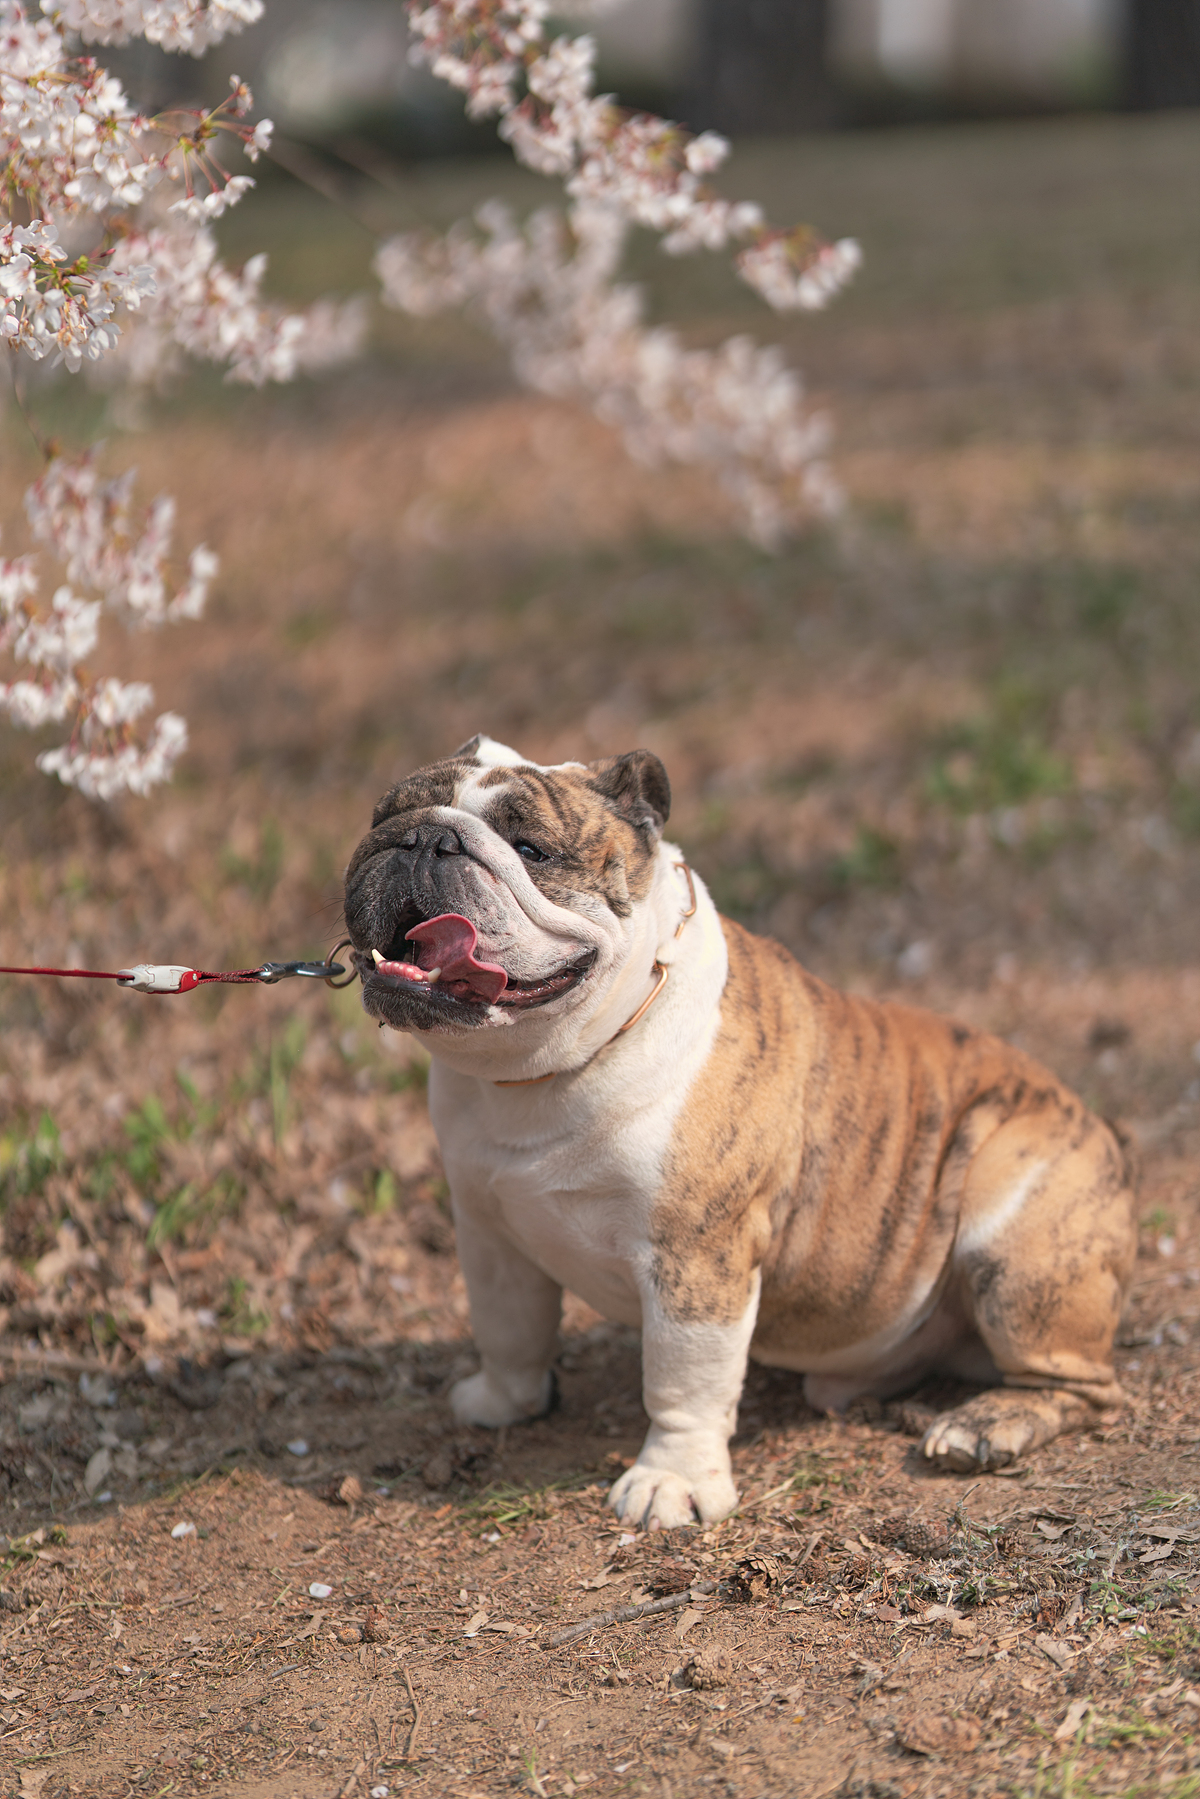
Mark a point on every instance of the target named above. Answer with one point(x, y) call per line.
point(529, 851)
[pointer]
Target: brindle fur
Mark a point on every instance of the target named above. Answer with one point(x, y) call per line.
point(843, 1147)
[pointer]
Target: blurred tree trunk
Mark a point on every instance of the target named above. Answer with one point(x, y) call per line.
point(762, 66)
point(1162, 53)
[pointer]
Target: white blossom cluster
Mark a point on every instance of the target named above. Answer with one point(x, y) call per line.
point(70, 139)
point(87, 524)
point(52, 306)
point(548, 293)
point(647, 169)
point(205, 309)
point(191, 25)
point(82, 164)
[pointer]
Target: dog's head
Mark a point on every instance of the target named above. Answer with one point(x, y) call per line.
point(490, 889)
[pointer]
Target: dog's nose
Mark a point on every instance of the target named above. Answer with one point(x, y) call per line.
point(448, 844)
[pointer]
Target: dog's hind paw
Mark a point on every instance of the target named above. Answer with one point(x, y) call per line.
point(657, 1499)
point(482, 1400)
point(992, 1430)
point(963, 1448)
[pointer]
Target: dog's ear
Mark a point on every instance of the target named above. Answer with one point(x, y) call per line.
point(637, 786)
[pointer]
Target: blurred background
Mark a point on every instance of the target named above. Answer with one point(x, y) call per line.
point(322, 67)
point(944, 746)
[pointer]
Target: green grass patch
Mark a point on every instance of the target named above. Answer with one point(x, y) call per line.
point(873, 860)
point(28, 1158)
point(1002, 758)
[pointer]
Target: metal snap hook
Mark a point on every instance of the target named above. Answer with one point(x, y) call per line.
point(346, 943)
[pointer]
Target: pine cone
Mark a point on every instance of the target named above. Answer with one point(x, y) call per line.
point(754, 1577)
point(926, 1537)
point(708, 1668)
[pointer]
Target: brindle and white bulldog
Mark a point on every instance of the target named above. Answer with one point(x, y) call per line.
point(750, 1164)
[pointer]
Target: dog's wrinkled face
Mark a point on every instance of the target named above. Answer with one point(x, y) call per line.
point(489, 887)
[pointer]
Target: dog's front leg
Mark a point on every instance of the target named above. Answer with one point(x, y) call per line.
point(692, 1374)
point(515, 1312)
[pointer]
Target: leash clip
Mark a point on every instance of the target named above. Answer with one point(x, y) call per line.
point(158, 977)
point(270, 972)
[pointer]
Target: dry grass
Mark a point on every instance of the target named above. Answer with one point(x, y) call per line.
point(950, 748)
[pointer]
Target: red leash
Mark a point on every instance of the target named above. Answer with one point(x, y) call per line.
point(164, 977)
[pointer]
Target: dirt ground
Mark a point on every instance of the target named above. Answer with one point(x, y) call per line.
point(947, 748)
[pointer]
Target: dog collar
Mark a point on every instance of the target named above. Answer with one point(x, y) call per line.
point(659, 972)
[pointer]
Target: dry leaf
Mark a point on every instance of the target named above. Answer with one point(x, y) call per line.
point(376, 1628)
point(1074, 1614)
point(686, 1621)
point(597, 1581)
point(1160, 1554)
point(1076, 1712)
point(1058, 1653)
point(1053, 1532)
point(933, 1733)
point(476, 1625)
point(97, 1471)
point(934, 1614)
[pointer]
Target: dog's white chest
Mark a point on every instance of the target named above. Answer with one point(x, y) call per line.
point(576, 1200)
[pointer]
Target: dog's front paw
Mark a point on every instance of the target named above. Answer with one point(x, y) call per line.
point(659, 1499)
point(480, 1399)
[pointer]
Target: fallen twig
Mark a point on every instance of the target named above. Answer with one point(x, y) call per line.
point(763, 1498)
point(352, 1781)
point(57, 1361)
point(625, 1614)
point(416, 1723)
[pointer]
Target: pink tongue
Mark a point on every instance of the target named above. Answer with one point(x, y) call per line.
point(449, 943)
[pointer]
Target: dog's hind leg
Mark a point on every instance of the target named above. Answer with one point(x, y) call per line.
point(1044, 1251)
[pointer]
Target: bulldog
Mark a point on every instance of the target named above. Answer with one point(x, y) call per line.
point(640, 1101)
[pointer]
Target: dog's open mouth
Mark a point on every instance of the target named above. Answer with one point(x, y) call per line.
point(437, 955)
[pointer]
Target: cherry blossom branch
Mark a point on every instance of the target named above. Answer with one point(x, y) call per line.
point(649, 170)
point(549, 293)
point(88, 526)
point(99, 265)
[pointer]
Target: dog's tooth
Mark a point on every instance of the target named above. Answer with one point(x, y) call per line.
point(377, 956)
point(435, 974)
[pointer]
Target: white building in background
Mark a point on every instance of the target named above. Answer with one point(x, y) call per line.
point(326, 62)
point(1038, 49)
